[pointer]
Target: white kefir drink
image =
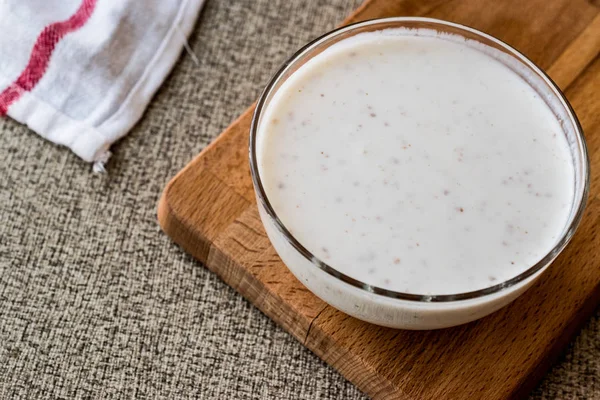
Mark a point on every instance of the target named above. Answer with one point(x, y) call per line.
point(416, 162)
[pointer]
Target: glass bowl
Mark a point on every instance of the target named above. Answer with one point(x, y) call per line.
point(408, 310)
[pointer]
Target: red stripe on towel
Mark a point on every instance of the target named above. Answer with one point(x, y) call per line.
point(41, 53)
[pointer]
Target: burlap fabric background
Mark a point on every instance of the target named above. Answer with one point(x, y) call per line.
point(96, 302)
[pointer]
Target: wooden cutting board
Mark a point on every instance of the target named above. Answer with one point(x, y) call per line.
point(209, 209)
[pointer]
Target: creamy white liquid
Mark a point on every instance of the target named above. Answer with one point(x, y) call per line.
point(416, 163)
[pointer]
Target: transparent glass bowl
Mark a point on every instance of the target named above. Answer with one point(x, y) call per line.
point(407, 310)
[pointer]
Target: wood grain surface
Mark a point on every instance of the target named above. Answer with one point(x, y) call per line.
point(209, 210)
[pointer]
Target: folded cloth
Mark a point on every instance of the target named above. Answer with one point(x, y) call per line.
point(81, 72)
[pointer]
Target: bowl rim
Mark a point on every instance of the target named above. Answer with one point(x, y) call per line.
point(578, 202)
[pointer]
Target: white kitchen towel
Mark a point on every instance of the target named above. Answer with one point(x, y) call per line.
point(81, 72)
